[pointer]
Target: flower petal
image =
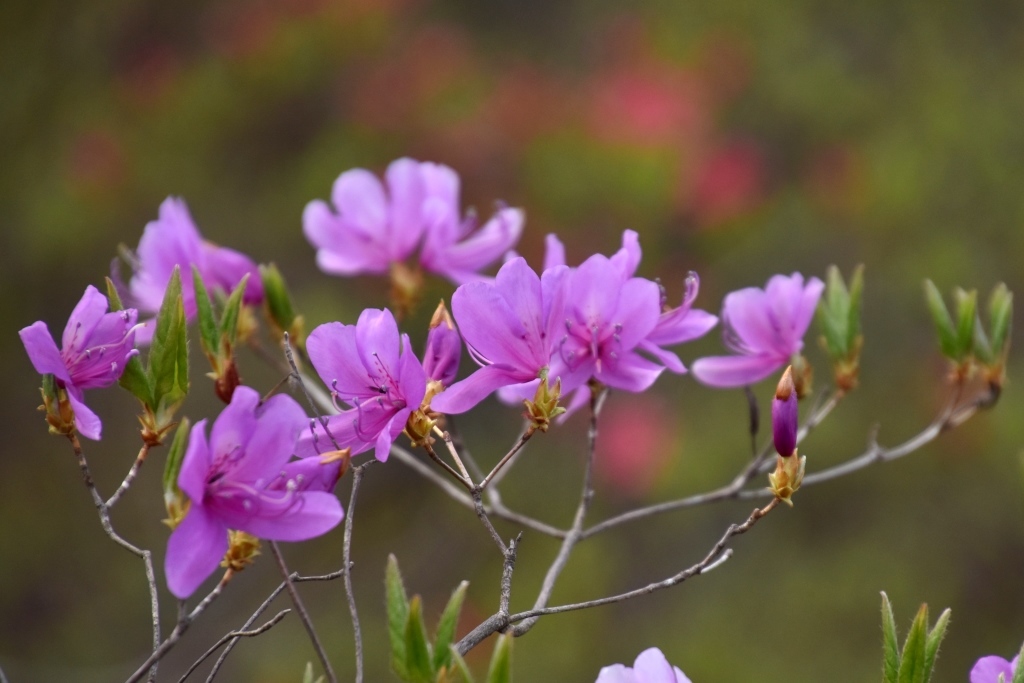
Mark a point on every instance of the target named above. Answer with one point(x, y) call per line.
point(405, 185)
point(461, 396)
point(86, 422)
point(676, 328)
point(987, 670)
point(554, 252)
point(627, 258)
point(225, 268)
point(83, 320)
point(359, 197)
point(461, 261)
point(630, 372)
point(279, 421)
point(745, 313)
point(235, 425)
point(651, 666)
point(313, 514)
point(333, 352)
point(377, 342)
point(340, 250)
point(734, 371)
point(194, 550)
point(195, 466)
point(43, 351)
point(616, 673)
point(344, 427)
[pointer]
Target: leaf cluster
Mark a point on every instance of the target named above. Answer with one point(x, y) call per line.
point(915, 662)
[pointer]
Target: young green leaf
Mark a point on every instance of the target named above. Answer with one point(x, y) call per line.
point(931, 649)
point(397, 605)
point(175, 456)
point(853, 329)
point(966, 312)
point(307, 677)
point(113, 297)
point(890, 644)
point(134, 377)
point(418, 662)
point(207, 320)
point(279, 303)
point(500, 670)
point(168, 352)
point(229, 321)
point(1018, 673)
point(1000, 311)
point(446, 626)
point(943, 323)
point(459, 665)
point(912, 662)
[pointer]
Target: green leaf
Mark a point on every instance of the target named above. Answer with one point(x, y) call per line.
point(168, 353)
point(500, 670)
point(931, 649)
point(446, 626)
point(397, 605)
point(943, 323)
point(134, 377)
point(113, 298)
point(207, 320)
point(418, 662)
point(176, 455)
point(890, 644)
point(912, 662)
point(1018, 674)
point(1000, 311)
point(229, 321)
point(462, 668)
point(966, 312)
point(853, 329)
point(308, 676)
point(982, 349)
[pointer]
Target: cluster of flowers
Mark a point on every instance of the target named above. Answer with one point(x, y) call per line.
point(266, 468)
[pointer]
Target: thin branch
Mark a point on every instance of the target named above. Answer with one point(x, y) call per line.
point(130, 477)
point(496, 479)
point(447, 468)
point(231, 636)
point(597, 397)
point(505, 597)
point(718, 554)
point(184, 621)
point(303, 614)
point(478, 507)
point(3, 677)
point(357, 476)
point(108, 527)
point(506, 458)
point(730, 491)
point(296, 578)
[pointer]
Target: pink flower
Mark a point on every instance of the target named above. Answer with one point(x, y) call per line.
point(990, 669)
point(650, 666)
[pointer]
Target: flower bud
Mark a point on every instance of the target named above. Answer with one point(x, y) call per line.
point(279, 309)
point(444, 348)
point(785, 415)
point(544, 406)
point(787, 477)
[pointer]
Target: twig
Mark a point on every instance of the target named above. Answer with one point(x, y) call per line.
point(509, 566)
point(468, 485)
point(597, 397)
point(130, 477)
point(730, 491)
point(3, 677)
point(303, 614)
point(718, 554)
point(296, 578)
point(506, 458)
point(231, 636)
point(184, 621)
point(496, 479)
point(478, 507)
point(296, 377)
point(108, 527)
point(357, 476)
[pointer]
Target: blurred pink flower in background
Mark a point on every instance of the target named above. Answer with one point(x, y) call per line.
point(727, 184)
point(637, 438)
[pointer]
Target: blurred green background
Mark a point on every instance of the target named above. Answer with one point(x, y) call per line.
point(740, 139)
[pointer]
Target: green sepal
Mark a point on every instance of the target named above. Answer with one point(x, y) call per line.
point(113, 298)
point(500, 670)
point(459, 664)
point(1000, 312)
point(229, 319)
point(446, 627)
point(890, 644)
point(307, 676)
point(168, 353)
point(966, 313)
point(207, 319)
point(418, 662)
point(931, 649)
point(853, 329)
point(397, 605)
point(175, 456)
point(943, 323)
point(1018, 675)
point(912, 661)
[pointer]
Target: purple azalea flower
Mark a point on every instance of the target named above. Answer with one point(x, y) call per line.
point(443, 351)
point(505, 326)
point(765, 327)
point(675, 325)
point(785, 415)
point(369, 229)
point(94, 350)
point(174, 240)
point(370, 367)
point(650, 666)
point(988, 669)
point(452, 246)
point(233, 482)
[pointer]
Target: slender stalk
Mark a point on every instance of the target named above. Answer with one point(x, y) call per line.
point(575, 533)
point(104, 514)
point(296, 578)
point(129, 478)
point(506, 458)
point(500, 474)
point(357, 476)
point(3, 677)
point(468, 485)
point(303, 614)
point(185, 620)
point(718, 554)
point(478, 506)
point(231, 636)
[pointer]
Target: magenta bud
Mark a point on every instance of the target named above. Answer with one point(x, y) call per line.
point(785, 415)
point(444, 348)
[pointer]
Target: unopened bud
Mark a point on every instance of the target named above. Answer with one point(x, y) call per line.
point(785, 414)
point(57, 406)
point(544, 406)
point(787, 477)
point(444, 348)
